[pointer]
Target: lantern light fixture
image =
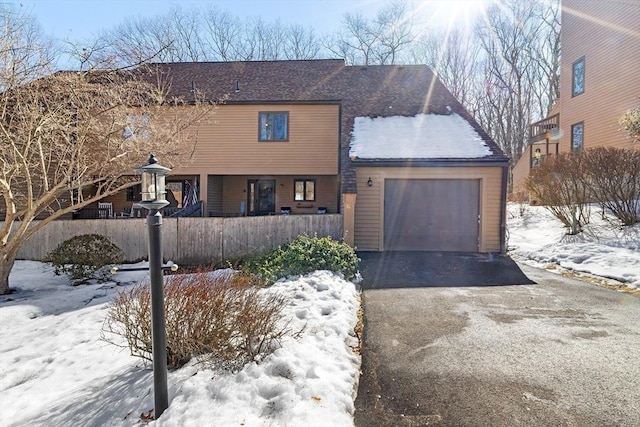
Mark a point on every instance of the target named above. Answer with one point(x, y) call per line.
point(153, 184)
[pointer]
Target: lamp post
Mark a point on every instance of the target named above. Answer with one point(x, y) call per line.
point(153, 199)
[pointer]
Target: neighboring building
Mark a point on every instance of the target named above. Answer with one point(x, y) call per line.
point(304, 137)
point(599, 82)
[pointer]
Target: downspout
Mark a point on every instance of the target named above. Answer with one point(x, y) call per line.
point(340, 191)
point(503, 209)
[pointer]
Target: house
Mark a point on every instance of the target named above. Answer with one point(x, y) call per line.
point(599, 82)
point(388, 147)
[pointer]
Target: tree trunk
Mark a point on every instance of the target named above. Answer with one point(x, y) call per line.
point(6, 264)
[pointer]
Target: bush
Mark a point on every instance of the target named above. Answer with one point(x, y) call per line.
point(220, 319)
point(559, 184)
point(305, 255)
point(81, 256)
point(566, 184)
point(614, 179)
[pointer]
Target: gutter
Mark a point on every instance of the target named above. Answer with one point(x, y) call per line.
point(503, 162)
point(503, 209)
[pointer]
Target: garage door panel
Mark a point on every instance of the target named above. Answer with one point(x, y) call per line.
point(431, 214)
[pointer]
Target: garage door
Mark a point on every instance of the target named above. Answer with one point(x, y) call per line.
point(431, 214)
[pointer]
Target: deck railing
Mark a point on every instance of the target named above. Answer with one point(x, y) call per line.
point(544, 129)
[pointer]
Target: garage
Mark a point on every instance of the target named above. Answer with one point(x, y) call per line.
point(431, 215)
point(429, 182)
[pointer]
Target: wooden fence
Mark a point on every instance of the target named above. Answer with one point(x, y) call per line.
point(189, 241)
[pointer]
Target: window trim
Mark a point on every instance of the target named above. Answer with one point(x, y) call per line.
point(573, 76)
point(137, 126)
point(304, 182)
point(573, 147)
point(270, 113)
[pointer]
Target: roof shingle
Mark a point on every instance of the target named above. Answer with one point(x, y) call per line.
point(373, 91)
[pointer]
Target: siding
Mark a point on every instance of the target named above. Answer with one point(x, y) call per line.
point(520, 172)
point(369, 207)
point(607, 34)
point(229, 145)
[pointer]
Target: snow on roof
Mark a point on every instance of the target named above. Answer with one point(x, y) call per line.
point(424, 136)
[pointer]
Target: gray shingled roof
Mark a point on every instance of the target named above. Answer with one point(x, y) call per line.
point(374, 91)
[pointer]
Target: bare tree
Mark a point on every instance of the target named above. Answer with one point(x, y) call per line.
point(358, 38)
point(519, 76)
point(301, 43)
point(377, 41)
point(190, 35)
point(455, 57)
point(134, 41)
point(548, 54)
point(223, 33)
point(70, 138)
point(394, 23)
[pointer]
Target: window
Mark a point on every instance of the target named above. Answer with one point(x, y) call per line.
point(577, 136)
point(134, 193)
point(273, 126)
point(577, 86)
point(137, 126)
point(304, 190)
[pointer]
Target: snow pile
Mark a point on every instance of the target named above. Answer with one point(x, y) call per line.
point(424, 136)
point(55, 370)
point(309, 381)
point(603, 249)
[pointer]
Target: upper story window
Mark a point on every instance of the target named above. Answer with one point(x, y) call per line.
point(304, 190)
point(577, 86)
point(273, 126)
point(137, 126)
point(577, 136)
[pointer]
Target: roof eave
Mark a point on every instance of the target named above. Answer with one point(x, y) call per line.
point(455, 162)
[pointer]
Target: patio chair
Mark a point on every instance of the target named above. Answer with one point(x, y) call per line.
point(105, 210)
point(136, 212)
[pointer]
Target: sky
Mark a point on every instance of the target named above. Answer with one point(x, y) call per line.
point(81, 19)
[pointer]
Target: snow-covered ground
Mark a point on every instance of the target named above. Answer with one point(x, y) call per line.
point(55, 370)
point(603, 249)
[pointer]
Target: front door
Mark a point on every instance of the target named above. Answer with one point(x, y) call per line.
point(261, 196)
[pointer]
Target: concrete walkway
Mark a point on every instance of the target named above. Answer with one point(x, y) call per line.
point(557, 352)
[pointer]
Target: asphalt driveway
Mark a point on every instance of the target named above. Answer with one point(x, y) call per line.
point(436, 269)
point(549, 352)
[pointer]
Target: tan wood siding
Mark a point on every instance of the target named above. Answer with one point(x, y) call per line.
point(229, 144)
point(607, 35)
point(520, 172)
point(369, 212)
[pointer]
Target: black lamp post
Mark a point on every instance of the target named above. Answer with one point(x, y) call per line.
point(153, 199)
